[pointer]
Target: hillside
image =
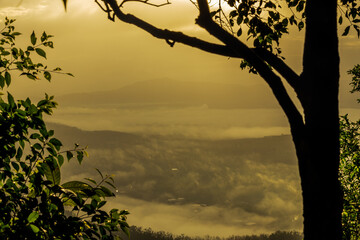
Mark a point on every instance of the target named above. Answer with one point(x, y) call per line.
point(177, 93)
point(168, 92)
point(257, 177)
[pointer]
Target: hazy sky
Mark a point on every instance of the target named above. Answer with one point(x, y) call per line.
point(105, 55)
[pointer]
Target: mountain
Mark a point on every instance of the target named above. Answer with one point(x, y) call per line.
point(167, 92)
point(177, 93)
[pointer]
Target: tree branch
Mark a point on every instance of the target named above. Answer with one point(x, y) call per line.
point(280, 66)
point(205, 21)
point(233, 48)
point(171, 37)
point(145, 2)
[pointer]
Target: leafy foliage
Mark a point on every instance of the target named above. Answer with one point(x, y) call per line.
point(266, 21)
point(355, 82)
point(263, 21)
point(350, 10)
point(34, 204)
point(350, 168)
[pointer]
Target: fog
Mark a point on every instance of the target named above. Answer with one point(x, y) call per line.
point(243, 186)
point(195, 122)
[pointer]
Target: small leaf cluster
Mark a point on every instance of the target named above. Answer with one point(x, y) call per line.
point(34, 203)
point(355, 81)
point(349, 171)
point(350, 11)
point(21, 59)
point(350, 177)
point(264, 21)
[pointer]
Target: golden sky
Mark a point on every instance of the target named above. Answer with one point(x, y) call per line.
point(105, 55)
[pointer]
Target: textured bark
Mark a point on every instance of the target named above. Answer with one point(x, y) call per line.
point(318, 145)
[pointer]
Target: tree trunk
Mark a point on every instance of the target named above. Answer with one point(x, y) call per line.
point(317, 145)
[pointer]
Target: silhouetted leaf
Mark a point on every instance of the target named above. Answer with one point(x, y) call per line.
point(40, 52)
point(346, 31)
point(33, 38)
point(52, 172)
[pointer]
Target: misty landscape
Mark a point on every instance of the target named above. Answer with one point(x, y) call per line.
point(182, 164)
point(185, 163)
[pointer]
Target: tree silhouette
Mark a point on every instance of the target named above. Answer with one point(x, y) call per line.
point(315, 127)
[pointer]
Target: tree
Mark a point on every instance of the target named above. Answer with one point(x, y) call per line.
point(314, 127)
point(350, 167)
point(34, 203)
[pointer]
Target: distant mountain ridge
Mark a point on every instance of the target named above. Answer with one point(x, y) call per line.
point(175, 93)
point(168, 92)
point(105, 139)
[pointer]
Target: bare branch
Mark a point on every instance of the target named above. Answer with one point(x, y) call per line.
point(233, 48)
point(147, 2)
point(280, 66)
point(170, 36)
point(205, 21)
point(106, 9)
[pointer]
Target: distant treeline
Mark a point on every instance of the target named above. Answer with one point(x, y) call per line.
point(138, 233)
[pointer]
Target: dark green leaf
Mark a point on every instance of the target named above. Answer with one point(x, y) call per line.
point(44, 37)
point(15, 166)
point(107, 192)
point(19, 154)
point(112, 185)
point(52, 172)
point(102, 203)
point(34, 228)
point(60, 160)
point(69, 155)
point(32, 217)
point(2, 81)
point(7, 78)
point(300, 6)
point(40, 52)
point(91, 180)
point(57, 144)
point(11, 100)
point(47, 75)
point(37, 146)
point(239, 32)
point(346, 31)
point(80, 156)
point(76, 186)
point(126, 231)
point(301, 25)
point(33, 38)
point(102, 177)
point(35, 136)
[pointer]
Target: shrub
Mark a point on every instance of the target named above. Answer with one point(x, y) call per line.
point(33, 200)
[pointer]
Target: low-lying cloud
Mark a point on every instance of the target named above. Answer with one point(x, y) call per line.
point(194, 122)
point(242, 185)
